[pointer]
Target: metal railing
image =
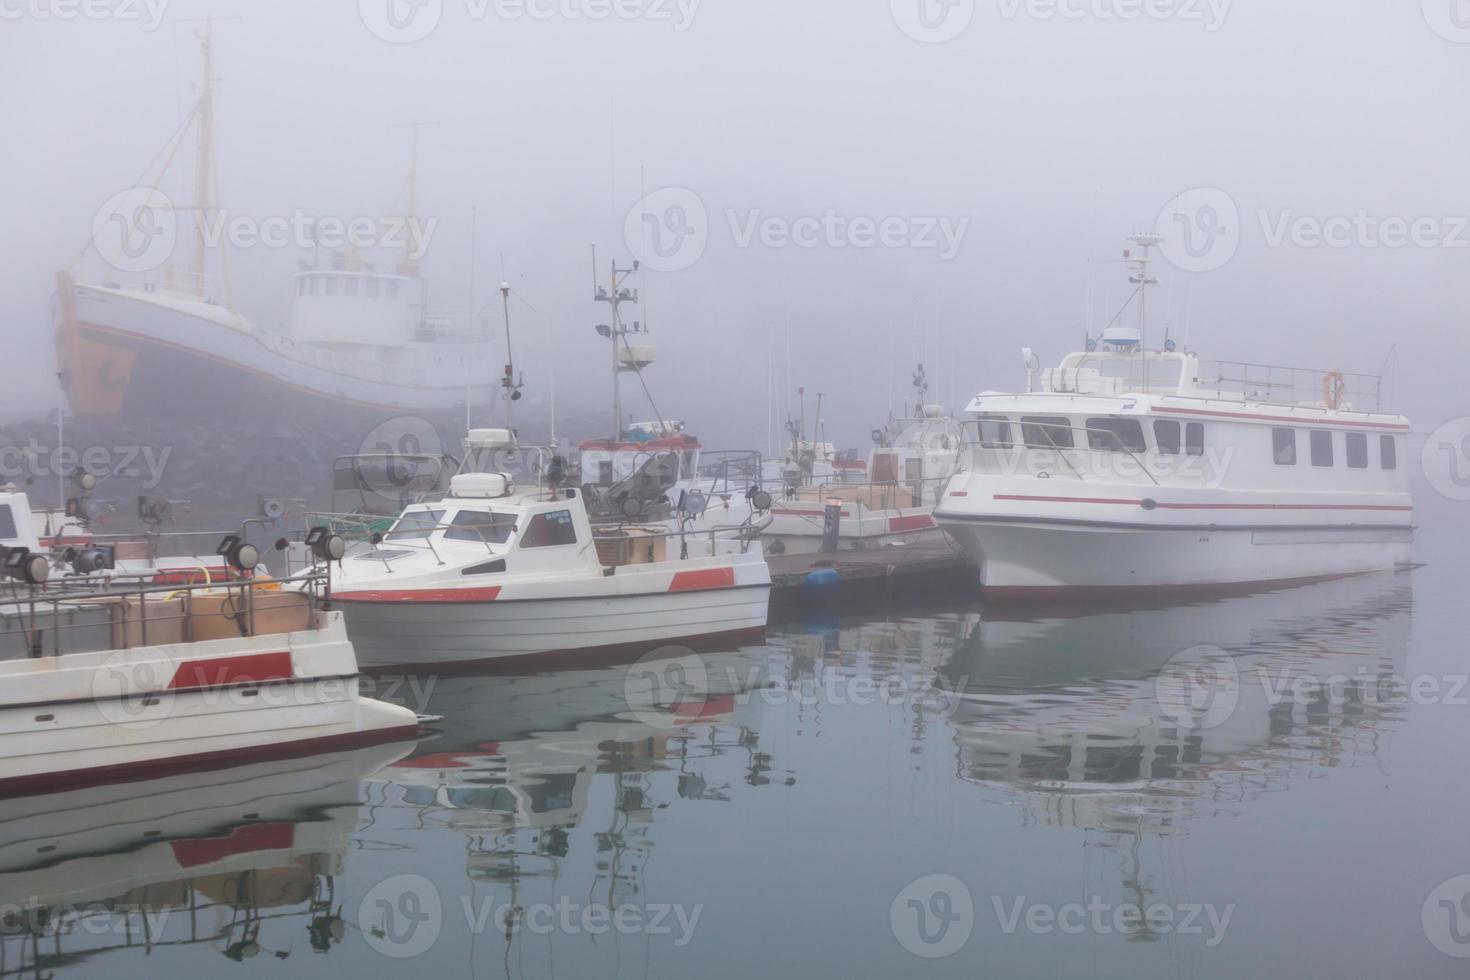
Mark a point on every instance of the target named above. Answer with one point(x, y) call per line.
point(124, 612)
point(1291, 385)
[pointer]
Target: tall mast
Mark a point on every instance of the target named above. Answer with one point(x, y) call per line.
point(1142, 279)
point(202, 194)
point(615, 294)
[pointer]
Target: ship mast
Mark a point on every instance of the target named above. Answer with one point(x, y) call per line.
point(615, 294)
point(202, 194)
point(1142, 279)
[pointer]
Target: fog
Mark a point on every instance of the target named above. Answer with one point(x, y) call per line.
point(1039, 137)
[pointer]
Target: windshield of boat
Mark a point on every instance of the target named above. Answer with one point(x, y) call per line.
point(7, 523)
point(415, 525)
point(481, 526)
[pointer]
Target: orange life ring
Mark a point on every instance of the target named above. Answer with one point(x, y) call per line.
point(1334, 385)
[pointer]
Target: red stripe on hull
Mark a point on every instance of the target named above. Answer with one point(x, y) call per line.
point(917, 522)
point(1168, 506)
point(421, 595)
point(704, 578)
point(256, 668)
point(132, 772)
point(245, 839)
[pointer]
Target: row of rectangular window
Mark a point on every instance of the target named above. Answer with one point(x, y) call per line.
point(1283, 449)
point(1103, 435)
point(371, 287)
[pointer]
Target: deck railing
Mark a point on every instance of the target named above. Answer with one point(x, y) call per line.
point(1292, 385)
point(90, 614)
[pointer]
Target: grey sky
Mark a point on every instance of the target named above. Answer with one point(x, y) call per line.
point(1053, 132)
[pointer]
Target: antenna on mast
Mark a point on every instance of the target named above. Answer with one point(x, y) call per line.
point(625, 357)
point(510, 384)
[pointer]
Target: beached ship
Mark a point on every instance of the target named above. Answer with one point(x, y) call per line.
point(140, 337)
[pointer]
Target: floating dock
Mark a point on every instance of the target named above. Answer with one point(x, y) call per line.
point(799, 581)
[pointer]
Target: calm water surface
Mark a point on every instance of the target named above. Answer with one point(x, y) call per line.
point(1248, 786)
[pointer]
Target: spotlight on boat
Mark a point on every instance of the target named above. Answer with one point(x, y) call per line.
point(155, 510)
point(631, 507)
point(240, 554)
point(604, 330)
point(760, 500)
point(83, 481)
point(325, 545)
point(24, 566)
point(93, 558)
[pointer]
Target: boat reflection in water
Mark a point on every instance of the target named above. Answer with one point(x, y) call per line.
point(1138, 721)
point(241, 861)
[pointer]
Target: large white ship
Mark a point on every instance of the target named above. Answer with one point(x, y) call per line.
point(363, 337)
point(1129, 468)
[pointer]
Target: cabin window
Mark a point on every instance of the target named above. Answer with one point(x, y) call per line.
point(995, 433)
point(331, 285)
point(1321, 447)
point(1194, 439)
point(1046, 432)
point(372, 288)
point(1115, 435)
point(392, 290)
point(349, 288)
point(550, 530)
point(1388, 452)
point(417, 525)
point(7, 522)
point(1283, 446)
point(605, 473)
point(1357, 451)
point(481, 526)
point(1166, 434)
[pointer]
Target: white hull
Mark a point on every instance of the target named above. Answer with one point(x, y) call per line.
point(129, 714)
point(1044, 558)
point(393, 634)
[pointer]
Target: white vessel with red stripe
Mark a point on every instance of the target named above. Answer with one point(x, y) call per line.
point(176, 679)
point(1128, 468)
point(492, 573)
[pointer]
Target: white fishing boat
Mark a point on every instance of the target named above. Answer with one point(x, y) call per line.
point(1129, 468)
point(492, 572)
point(893, 501)
point(125, 682)
point(144, 338)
